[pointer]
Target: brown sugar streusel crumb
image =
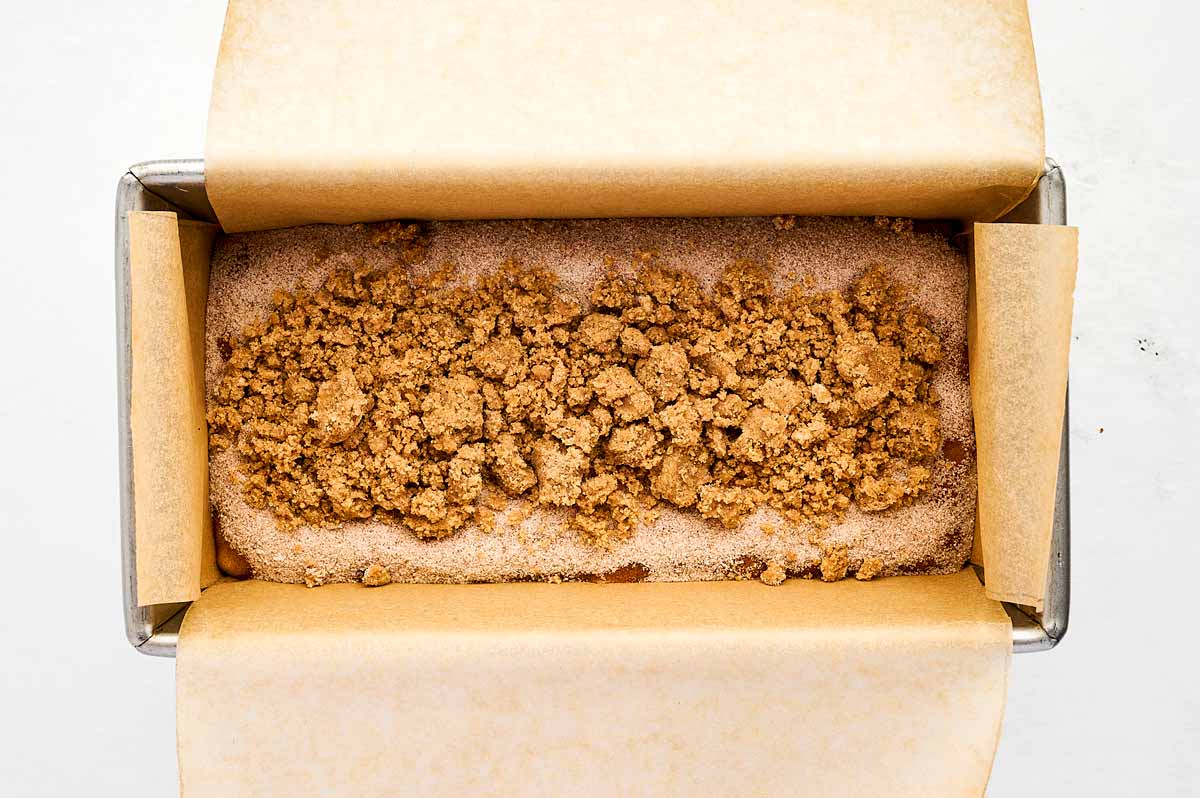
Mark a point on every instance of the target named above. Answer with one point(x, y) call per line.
point(314, 575)
point(870, 568)
point(835, 562)
point(774, 574)
point(376, 576)
point(418, 400)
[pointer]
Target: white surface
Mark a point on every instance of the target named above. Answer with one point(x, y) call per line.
point(89, 89)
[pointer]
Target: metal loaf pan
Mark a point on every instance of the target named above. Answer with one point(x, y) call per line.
point(179, 186)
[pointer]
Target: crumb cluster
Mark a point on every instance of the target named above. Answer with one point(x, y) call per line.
point(430, 402)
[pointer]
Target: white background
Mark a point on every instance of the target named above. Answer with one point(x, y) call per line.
point(87, 89)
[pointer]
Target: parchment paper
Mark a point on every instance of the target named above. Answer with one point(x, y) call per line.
point(168, 286)
point(1019, 332)
point(891, 688)
point(343, 112)
point(347, 112)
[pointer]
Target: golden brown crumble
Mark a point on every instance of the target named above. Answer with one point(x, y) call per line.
point(774, 574)
point(870, 568)
point(376, 575)
point(431, 404)
point(314, 575)
point(835, 562)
